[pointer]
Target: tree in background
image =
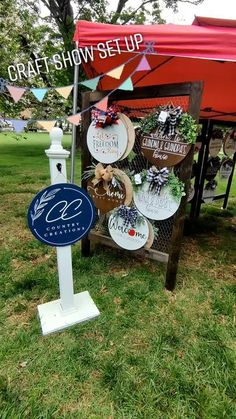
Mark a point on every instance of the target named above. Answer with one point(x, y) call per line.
point(27, 35)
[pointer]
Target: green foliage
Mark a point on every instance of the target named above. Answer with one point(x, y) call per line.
point(151, 353)
point(139, 220)
point(187, 128)
point(23, 39)
point(26, 35)
point(176, 186)
point(155, 229)
point(131, 175)
point(149, 123)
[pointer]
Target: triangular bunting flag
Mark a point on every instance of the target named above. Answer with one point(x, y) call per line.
point(74, 119)
point(127, 85)
point(116, 73)
point(143, 65)
point(91, 84)
point(48, 125)
point(39, 93)
point(18, 124)
point(64, 91)
point(102, 105)
point(16, 92)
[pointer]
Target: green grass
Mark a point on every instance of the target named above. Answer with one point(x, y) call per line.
point(151, 353)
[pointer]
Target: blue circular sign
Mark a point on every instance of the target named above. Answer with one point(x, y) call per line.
point(61, 214)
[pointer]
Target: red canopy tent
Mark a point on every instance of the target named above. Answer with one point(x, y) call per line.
point(205, 50)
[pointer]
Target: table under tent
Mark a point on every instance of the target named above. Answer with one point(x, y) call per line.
point(190, 66)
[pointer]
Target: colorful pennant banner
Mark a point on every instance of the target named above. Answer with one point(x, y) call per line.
point(74, 119)
point(92, 83)
point(16, 92)
point(116, 73)
point(39, 93)
point(143, 65)
point(18, 124)
point(127, 85)
point(48, 125)
point(64, 91)
point(102, 104)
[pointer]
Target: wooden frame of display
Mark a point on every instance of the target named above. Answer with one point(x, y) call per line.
point(194, 91)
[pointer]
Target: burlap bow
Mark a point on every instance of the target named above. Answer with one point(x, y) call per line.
point(107, 176)
point(104, 175)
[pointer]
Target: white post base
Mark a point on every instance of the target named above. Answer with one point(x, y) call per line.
point(53, 318)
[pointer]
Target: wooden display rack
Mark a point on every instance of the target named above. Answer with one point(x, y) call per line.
point(194, 93)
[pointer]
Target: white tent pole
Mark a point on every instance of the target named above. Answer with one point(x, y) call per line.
point(74, 127)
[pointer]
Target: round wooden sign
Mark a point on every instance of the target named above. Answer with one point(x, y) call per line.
point(131, 134)
point(130, 238)
point(226, 168)
point(106, 199)
point(197, 147)
point(208, 195)
point(215, 146)
point(151, 236)
point(229, 145)
point(212, 168)
point(191, 193)
point(163, 150)
point(107, 145)
point(154, 206)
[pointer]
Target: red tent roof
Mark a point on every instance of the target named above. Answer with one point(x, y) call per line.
point(204, 51)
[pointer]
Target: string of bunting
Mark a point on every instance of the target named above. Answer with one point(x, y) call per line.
point(39, 93)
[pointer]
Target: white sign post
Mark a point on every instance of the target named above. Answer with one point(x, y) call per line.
point(71, 308)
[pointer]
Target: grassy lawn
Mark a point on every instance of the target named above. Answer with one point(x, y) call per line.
point(151, 353)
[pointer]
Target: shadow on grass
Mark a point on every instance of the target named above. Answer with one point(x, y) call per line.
point(211, 220)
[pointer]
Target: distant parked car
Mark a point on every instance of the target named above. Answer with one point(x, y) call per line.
point(5, 126)
point(31, 127)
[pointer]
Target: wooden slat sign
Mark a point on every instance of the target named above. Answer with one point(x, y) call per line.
point(164, 151)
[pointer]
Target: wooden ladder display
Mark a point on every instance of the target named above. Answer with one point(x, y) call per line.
point(193, 90)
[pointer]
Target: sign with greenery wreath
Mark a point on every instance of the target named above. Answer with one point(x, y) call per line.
point(128, 228)
point(167, 136)
point(108, 186)
point(157, 193)
point(107, 142)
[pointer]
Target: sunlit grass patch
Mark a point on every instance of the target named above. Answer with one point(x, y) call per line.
point(150, 354)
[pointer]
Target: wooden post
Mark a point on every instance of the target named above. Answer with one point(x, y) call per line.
point(185, 176)
point(85, 159)
point(85, 155)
